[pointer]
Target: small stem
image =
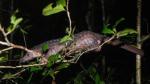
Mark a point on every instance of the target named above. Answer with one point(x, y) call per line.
point(21, 66)
point(68, 14)
point(18, 73)
point(6, 49)
point(4, 34)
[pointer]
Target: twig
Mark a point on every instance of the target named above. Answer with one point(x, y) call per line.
point(22, 66)
point(10, 32)
point(18, 73)
point(6, 49)
point(11, 46)
point(5, 35)
point(68, 14)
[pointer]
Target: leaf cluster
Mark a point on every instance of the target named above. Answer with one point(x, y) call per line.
point(108, 30)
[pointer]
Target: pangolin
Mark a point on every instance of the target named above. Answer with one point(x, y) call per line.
point(81, 41)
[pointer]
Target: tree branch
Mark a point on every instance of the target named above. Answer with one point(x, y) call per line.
point(138, 57)
point(22, 66)
point(12, 46)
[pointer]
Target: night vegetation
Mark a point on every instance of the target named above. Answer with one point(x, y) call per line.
point(26, 24)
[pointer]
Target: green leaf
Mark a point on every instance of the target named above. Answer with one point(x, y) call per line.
point(62, 66)
point(79, 78)
point(92, 71)
point(62, 2)
point(8, 76)
point(97, 79)
point(12, 19)
point(9, 29)
point(45, 47)
point(49, 9)
point(52, 73)
point(107, 30)
point(95, 75)
point(65, 39)
point(118, 22)
point(144, 38)
point(3, 59)
point(53, 59)
point(17, 21)
point(35, 69)
point(49, 72)
point(125, 32)
point(23, 31)
point(14, 22)
point(29, 79)
point(44, 73)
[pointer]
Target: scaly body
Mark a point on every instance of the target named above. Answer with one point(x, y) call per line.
point(81, 41)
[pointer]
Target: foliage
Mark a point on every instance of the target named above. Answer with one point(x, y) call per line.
point(49, 70)
point(45, 47)
point(113, 30)
point(54, 66)
point(54, 8)
point(55, 62)
point(54, 59)
point(14, 22)
point(59, 6)
point(3, 58)
point(67, 37)
point(8, 76)
point(89, 75)
point(107, 30)
point(126, 32)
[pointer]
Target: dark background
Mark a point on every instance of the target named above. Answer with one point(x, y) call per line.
point(85, 15)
